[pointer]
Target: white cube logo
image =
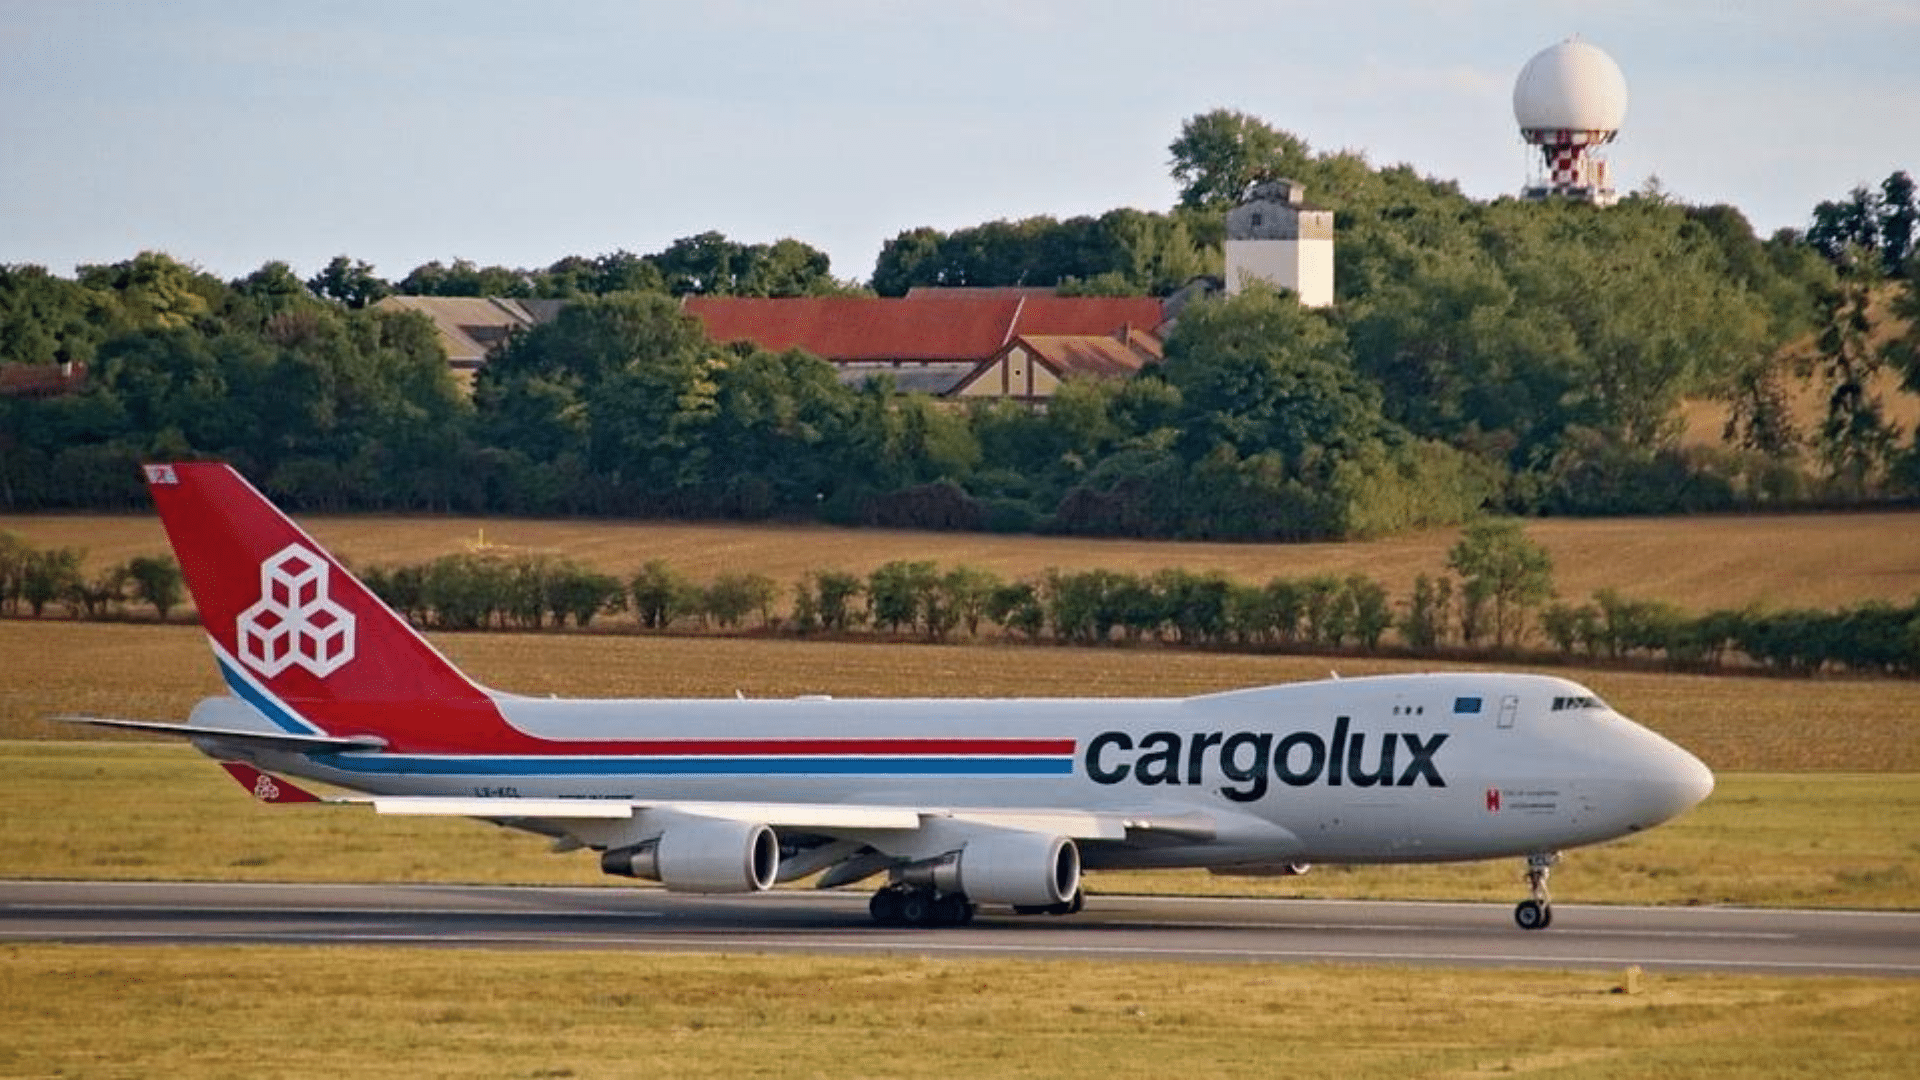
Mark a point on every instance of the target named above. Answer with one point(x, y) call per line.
point(295, 623)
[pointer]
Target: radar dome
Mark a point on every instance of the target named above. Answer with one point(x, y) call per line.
point(1572, 86)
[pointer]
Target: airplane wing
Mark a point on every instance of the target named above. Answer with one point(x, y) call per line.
point(260, 740)
point(832, 819)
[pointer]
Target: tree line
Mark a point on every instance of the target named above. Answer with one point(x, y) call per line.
point(32, 579)
point(1496, 597)
point(1504, 356)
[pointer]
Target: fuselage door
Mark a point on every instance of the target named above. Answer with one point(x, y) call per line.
point(1509, 706)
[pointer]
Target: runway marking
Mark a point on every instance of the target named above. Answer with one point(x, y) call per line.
point(923, 945)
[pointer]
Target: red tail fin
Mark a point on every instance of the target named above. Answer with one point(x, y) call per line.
point(298, 636)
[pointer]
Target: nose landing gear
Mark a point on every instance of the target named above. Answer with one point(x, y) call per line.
point(1536, 913)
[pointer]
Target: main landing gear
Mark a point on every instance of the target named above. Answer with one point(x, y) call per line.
point(907, 905)
point(917, 905)
point(1537, 913)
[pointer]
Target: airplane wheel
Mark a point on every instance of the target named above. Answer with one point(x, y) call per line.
point(1072, 905)
point(916, 908)
point(952, 910)
point(885, 907)
point(1533, 915)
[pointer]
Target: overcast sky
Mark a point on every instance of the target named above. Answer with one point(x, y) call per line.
point(228, 134)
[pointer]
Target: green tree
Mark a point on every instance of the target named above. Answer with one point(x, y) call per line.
point(1424, 623)
point(1502, 568)
point(153, 291)
point(350, 282)
point(1259, 372)
point(731, 597)
point(1372, 612)
point(572, 590)
point(157, 580)
point(967, 595)
point(661, 594)
point(1017, 605)
point(50, 575)
point(836, 592)
point(1856, 440)
point(903, 593)
point(1220, 154)
point(46, 319)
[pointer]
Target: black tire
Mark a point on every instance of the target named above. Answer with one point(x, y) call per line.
point(885, 907)
point(916, 908)
point(951, 910)
point(1532, 915)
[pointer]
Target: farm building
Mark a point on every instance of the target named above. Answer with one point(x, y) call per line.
point(1012, 343)
point(1016, 343)
point(471, 327)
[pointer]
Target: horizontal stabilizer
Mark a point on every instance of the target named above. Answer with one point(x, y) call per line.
point(266, 787)
point(263, 740)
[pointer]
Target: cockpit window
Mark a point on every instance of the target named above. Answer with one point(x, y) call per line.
point(1577, 702)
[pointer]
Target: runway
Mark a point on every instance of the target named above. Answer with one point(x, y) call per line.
point(1112, 927)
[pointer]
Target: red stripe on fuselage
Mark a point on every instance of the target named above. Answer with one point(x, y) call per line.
point(479, 728)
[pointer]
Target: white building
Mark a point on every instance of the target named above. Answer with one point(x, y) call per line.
point(1276, 237)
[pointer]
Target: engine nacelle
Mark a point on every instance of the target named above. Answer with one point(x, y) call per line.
point(707, 855)
point(1020, 868)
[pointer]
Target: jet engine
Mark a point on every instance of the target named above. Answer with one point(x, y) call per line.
point(706, 855)
point(1020, 868)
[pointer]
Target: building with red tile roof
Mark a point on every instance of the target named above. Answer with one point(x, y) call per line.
point(938, 340)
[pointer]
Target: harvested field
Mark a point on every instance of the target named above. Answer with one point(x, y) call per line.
point(1699, 563)
point(1733, 722)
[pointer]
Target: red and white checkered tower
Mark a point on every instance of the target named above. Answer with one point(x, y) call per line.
point(1570, 100)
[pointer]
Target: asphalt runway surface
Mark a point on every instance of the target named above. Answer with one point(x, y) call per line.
point(1111, 928)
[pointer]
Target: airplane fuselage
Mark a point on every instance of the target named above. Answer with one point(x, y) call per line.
point(1382, 769)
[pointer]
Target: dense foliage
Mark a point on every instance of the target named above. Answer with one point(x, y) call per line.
point(1520, 357)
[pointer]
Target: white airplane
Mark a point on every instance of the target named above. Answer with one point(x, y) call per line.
point(956, 802)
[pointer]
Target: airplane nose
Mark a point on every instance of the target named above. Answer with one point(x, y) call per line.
point(1685, 782)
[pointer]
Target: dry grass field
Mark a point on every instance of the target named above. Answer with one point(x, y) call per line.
point(1699, 563)
point(415, 1013)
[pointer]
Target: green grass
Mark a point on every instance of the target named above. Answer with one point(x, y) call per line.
point(136, 811)
point(269, 1012)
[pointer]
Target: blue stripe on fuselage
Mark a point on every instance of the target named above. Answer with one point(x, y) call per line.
point(261, 702)
point(421, 765)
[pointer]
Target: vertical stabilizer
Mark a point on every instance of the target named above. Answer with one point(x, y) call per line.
point(299, 637)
